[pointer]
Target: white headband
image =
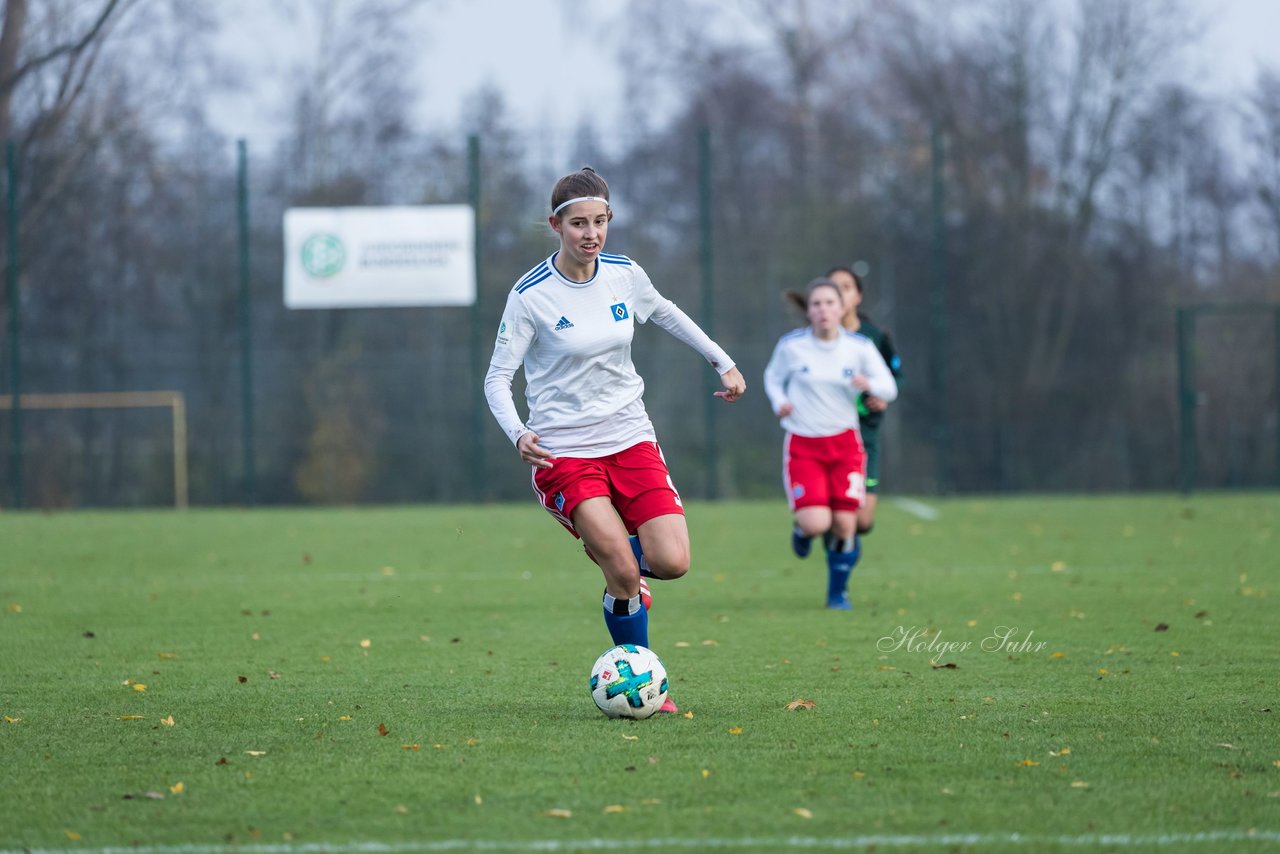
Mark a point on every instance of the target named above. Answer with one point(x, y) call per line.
point(564, 205)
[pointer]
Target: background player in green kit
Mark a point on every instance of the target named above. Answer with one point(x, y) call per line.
point(871, 409)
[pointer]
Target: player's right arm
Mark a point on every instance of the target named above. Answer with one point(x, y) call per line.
point(515, 335)
point(775, 381)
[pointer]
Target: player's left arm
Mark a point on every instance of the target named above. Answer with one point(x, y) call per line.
point(889, 353)
point(651, 305)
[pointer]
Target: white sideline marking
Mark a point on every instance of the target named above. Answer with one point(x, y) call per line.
point(1114, 840)
point(918, 509)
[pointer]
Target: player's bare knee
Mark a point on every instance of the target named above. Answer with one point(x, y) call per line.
point(669, 564)
point(813, 529)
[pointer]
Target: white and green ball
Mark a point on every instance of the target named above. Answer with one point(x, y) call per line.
point(629, 681)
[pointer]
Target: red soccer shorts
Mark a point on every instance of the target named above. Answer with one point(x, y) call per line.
point(828, 471)
point(636, 480)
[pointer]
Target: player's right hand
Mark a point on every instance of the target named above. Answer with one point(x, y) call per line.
point(533, 453)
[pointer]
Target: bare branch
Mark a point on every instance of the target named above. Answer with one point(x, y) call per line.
point(74, 49)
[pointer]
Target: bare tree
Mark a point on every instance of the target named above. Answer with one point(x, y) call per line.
point(350, 84)
point(1264, 132)
point(66, 44)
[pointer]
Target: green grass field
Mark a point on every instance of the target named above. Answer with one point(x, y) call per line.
point(415, 679)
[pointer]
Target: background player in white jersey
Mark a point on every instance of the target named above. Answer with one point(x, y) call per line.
point(813, 380)
point(597, 467)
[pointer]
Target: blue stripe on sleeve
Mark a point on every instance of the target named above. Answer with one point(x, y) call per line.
point(529, 275)
point(546, 274)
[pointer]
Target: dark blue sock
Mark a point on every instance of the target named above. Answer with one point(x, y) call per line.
point(838, 571)
point(644, 565)
point(627, 628)
point(842, 556)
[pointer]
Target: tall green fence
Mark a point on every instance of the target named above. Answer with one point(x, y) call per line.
point(170, 278)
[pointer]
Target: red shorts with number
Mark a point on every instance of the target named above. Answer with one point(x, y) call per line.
point(636, 480)
point(827, 471)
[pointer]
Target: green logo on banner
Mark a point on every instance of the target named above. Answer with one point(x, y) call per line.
point(323, 256)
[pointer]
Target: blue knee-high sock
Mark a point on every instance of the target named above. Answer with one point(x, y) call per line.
point(644, 564)
point(842, 556)
point(627, 620)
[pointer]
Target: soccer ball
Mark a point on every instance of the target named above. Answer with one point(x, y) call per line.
point(629, 681)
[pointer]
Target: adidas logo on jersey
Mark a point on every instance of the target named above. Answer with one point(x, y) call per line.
point(563, 324)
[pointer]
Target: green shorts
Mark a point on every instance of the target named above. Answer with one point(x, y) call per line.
point(871, 444)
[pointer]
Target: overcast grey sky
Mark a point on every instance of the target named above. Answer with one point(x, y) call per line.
point(523, 47)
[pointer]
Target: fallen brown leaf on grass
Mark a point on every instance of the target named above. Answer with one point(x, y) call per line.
point(558, 813)
point(800, 704)
point(1162, 627)
point(167, 721)
point(131, 717)
point(382, 729)
point(950, 665)
point(802, 812)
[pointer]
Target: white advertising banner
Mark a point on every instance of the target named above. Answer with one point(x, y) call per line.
point(379, 256)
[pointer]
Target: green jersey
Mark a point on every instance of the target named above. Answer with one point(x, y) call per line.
point(884, 343)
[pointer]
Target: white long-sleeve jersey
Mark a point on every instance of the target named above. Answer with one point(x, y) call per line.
point(816, 378)
point(574, 341)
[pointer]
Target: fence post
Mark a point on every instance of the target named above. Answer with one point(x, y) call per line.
point(246, 324)
point(1276, 340)
point(479, 464)
point(15, 324)
point(941, 431)
point(708, 303)
point(1187, 397)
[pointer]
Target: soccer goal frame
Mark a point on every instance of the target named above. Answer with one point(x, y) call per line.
point(172, 400)
point(1187, 395)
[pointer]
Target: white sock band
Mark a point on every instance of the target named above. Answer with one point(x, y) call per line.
point(621, 607)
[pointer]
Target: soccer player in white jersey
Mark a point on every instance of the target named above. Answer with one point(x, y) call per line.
point(597, 467)
point(813, 380)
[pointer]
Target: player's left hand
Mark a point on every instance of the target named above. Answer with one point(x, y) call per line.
point(734, 385)
point(875, 404)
